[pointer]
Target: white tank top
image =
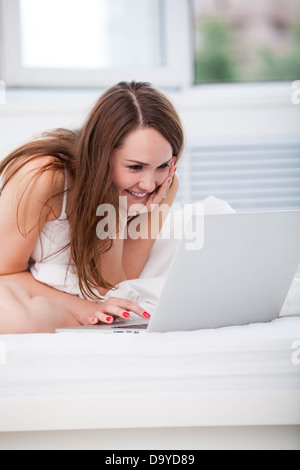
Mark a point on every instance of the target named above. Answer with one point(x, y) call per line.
point(50, 259)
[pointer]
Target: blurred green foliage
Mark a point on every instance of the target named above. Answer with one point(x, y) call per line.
point(287, 67)
point(219, 56)
point(215, 60)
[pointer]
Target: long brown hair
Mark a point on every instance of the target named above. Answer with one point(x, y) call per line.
point(87, 156)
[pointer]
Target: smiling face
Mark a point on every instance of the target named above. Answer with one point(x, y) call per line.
point(141, 165)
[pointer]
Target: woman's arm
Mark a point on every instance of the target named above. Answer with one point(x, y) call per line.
point(80, 309)
point(23, 212)
point(128, 256)
point(83, 312)
point(136, 252)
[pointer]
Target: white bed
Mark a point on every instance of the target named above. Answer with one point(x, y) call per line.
point(228, 388)
point(230, 378)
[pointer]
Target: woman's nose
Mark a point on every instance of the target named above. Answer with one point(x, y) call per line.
point(148, 183)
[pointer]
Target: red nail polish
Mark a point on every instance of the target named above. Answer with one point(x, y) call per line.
point(126, 315)
point(108, 319)
point(146, 315)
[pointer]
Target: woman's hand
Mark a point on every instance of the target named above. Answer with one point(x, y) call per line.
point(107, 311)
point(158, 196)
point(161, 193)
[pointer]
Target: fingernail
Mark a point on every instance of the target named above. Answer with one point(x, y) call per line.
point(126, 315)
point(146, 315)
point(95, 320)
point(175, 169)
point(109, 319)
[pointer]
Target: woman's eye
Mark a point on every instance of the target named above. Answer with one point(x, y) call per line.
point(135, 167)
point(165, 166)
point(139, 167)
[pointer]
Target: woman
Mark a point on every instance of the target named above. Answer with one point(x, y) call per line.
point(54, 268)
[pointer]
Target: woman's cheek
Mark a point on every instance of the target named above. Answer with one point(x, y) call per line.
point(162, 177)
point(121, 180)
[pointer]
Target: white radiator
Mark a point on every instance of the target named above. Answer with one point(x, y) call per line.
point(249, 176)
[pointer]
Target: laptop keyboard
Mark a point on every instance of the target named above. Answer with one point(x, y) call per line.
point(142, 326)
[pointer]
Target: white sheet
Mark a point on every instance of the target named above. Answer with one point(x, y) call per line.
point(255, 357)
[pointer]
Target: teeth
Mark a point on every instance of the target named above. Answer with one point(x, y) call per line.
point(138, 195)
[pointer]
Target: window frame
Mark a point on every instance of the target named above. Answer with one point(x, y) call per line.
point(178, 50)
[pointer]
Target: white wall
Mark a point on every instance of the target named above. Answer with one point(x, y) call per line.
point(210, 113)
point(240, 112)
point(30, 112)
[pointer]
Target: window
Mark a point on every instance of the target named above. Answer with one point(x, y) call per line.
point(172, 43)
point(100, 35)
point(95, 42)
point(246, 40)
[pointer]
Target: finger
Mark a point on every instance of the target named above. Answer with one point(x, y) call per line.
point(129, 306)
point(117, 312)
point(100, 317)
point(173, 169)
point(163, 190)
point(173, 166)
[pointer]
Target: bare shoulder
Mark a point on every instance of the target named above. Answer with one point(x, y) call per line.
point(38, 178)
point(29, 192)
point(43, 172)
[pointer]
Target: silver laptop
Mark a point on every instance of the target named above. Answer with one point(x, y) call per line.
point(241, 275)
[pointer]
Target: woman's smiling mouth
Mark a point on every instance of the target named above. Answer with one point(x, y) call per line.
point(136, 196)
